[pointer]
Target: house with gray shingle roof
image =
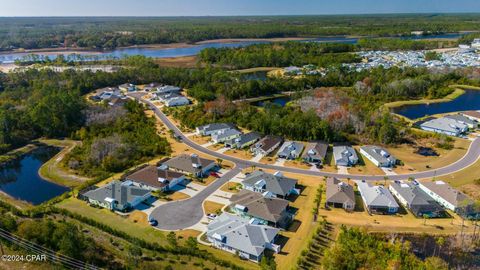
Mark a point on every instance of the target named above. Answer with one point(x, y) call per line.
point(377, 199)
point(445, 125)
point(415, 199)
point(344, 155)
point(117, 196)
point(210, 129)
point(274, 184)
point(290, 150)
point(244, 140)
point(190, 164)
point(339, 194)
point(266, 145)
point(450, 198)
point(238, 235)
point(225, 135)
point(315, 152)
point(266, 210)
point(471, 123)
point(378, 155)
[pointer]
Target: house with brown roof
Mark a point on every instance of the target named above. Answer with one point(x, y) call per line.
point(190, 165)
point(339, 194)
point(263, 209)
point(266, 145)
point(315, 152)
point(153, 178)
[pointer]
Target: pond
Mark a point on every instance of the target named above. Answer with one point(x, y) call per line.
point(20, 178)
point(282, 101)
point(257, 75)
point(468, 101)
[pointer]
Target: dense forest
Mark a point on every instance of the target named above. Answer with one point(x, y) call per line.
point(112, 32)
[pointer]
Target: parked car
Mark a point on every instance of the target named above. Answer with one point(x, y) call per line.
point(153, 222)
point(211, 216)
point(214, 174)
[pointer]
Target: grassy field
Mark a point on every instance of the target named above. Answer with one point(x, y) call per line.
point(406, 153)
point(124, 224)
point(243, 154)
point(231, 187)
point(178, 62)
point(53, 171)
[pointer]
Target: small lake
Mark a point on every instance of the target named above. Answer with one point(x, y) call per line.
point(257, 75)
point(188, 51)
point(282, 101)
point(20, 178)
point(468, 101)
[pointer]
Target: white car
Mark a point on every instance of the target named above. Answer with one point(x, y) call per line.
point(211, 216)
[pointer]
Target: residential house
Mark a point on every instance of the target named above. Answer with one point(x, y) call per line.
point(210, 129)
point(176, 101)
point(339, 194)
point(473, 115)
point(344, 155)
point(117, 196)
point(127, 87)
point(118, 101)
point(414, 198)
point(265, 210)
point(225, 135)
point(237, 235)
point(274, 184)
point(168, 89)
point(290, 150)
point(450, 198)
point(266, 145)
point(292, 70)
point(315, 152)
point(243, 141)
point(471, 123)
point(378, 155)
point(377, 199)
point(151, 87)
point(155, 179)
point(190, 165)
point(445, 125)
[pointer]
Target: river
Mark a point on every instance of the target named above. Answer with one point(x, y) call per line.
point(185, 51)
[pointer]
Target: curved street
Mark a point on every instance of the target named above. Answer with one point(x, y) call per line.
point(186, 213)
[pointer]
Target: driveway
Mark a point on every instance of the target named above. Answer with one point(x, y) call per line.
point(468, 159)
point(183, 214)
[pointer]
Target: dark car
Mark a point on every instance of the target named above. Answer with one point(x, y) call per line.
point(153, 222)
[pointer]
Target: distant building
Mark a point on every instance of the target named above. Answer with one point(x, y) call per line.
point(272, 184)
point(235, 234)
point(225, 135)
point(471, 123)
point(378, 155)
point(176, 101)
point(415, 199)
point(476, 43)
point(445, 125)
point(117, 196)
point(473, 115)
point(339, 194)
point(190, 164)
point(266, 145)
point(265, 210)
point(154, 178)
point(344, 155)
point(127, 87)
point(292, 70)
point(210, 129)
point(168, 89)
point(151, 87)
point(290, 150)
point(244, 140)
point(450, 198)
point(315, 152)
point(377, 199)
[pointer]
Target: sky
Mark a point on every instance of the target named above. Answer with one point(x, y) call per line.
point(228, 7)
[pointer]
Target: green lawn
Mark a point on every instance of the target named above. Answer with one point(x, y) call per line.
point(113, 220)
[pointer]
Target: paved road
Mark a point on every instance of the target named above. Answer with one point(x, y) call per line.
point(472, 155)
point(183, 214)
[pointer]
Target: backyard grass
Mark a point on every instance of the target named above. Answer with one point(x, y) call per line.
point(53, 170)
point(113, 220)
point(406, 154)
point(212, 207)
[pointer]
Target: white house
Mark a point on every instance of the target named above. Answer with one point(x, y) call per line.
point(378, 155)
point(225, 135)
point(445, 125)
point(176, 101)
